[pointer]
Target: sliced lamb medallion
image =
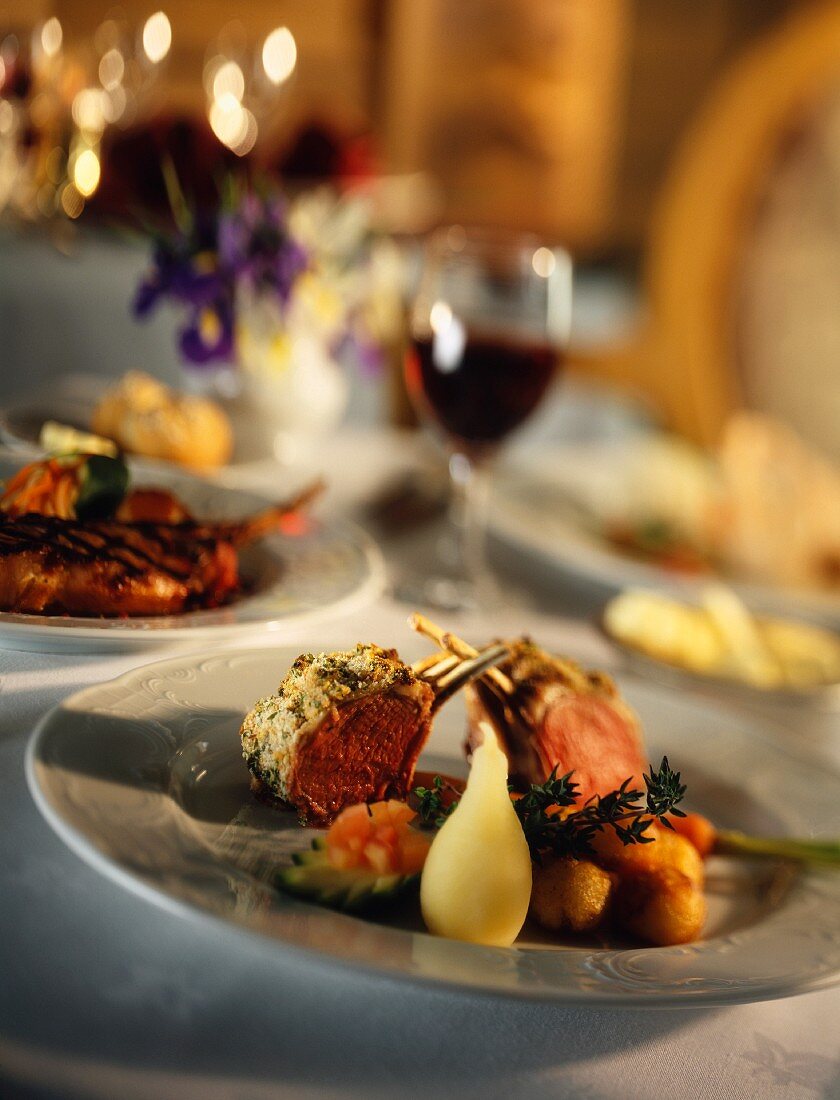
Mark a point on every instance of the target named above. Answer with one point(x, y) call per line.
point(343, 728)
point(559, 716)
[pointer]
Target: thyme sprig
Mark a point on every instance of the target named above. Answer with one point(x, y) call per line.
point(433, 809)
point(628, 811)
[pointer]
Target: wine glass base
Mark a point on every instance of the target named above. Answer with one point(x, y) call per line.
point(440, 593)
point(483, 598)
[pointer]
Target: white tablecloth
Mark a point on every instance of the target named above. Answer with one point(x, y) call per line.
point(104, 995)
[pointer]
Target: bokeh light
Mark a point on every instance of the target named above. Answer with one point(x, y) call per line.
point(114, 104)
point(544, 262)
point(10, 47)
point(157, 37)
point(249, 138)
point(111, 69)
point(72, 202)
point(234, 125)
point(7, 116)
point(456, 238)
point(86, 172)
point(54, 165)
point(45, 200)
point(279, 55)
point(227, 118)
point(229, 80)
point(89, 110)
point(51, 36)
point(106, 36)
point(440, 316)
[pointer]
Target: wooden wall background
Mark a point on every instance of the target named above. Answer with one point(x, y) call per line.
point(558, 114)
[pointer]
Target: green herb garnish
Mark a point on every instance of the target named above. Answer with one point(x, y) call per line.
point(433, 809)
point(627, 811)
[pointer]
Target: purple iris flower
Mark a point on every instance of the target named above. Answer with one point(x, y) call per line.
point(255, 246)
point(146, 296)
point(202, 268)
point(291, 262)
point(158, 282)
point(208, 335)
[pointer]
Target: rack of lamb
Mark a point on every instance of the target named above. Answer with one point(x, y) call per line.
point(549, 713)
point(348, 727)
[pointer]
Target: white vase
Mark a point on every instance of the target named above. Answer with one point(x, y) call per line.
point(290, 391)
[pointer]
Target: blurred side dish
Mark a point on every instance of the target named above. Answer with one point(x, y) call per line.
point(145, 417)
point(763, 506)
point(779, 516)
point(720, 637)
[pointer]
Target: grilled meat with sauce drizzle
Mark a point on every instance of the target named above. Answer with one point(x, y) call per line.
point(50, 565)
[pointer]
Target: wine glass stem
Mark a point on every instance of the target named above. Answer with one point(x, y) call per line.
point(468, 513)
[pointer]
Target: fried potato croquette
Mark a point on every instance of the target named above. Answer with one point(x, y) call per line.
point(667, 849)
point(570, 894)
point(699, 830)
point(661, 907)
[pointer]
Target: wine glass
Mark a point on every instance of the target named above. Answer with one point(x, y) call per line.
point(489, 325)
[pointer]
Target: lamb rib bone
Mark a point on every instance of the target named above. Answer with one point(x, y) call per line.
point(551, 713)
point(449, 672)
point(457, 647)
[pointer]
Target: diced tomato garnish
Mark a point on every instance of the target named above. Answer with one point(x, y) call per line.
point(413, 849)
point(377, 837)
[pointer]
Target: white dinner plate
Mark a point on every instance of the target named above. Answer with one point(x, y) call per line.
point(144, 779)
point(333, 568)
point(549, 502)
point(68, 400)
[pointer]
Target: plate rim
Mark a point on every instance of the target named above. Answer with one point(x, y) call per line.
point(112, 870)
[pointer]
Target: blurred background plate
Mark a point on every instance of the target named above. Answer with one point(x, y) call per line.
point(69, 400)
point(333, 568)
point(21, 422)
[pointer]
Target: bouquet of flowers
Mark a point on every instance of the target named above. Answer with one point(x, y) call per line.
point(278, 296)
point(261, 273)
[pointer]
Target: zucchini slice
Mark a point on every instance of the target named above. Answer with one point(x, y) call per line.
point(312, 877)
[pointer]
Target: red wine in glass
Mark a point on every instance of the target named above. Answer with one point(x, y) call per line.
point(489, 321)
point(482, 388)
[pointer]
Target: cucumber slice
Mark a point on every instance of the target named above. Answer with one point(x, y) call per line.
point(103, 484)
point(312, 877)
point(313, 855)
